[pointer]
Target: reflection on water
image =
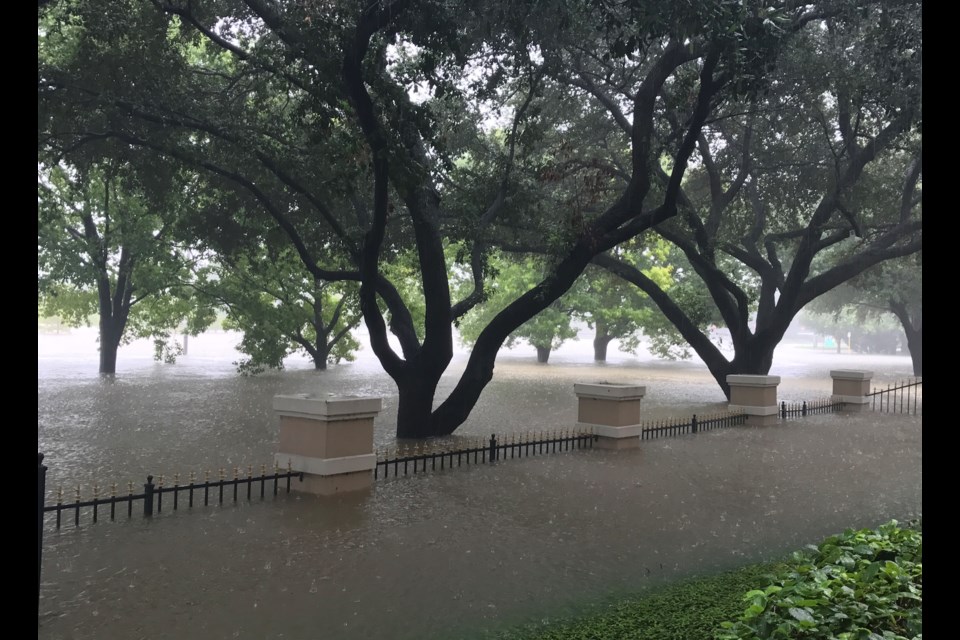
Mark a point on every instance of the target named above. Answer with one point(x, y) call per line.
point(447, 554)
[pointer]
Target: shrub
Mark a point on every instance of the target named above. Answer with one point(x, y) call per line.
point(860, 585)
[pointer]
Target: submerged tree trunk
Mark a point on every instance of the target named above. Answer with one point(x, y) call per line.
point(915, 345)
point(415, 417)
point(913, 328)
point(110, 336)
point(755, 357)
point(114, 312)
point(543, 354)
point(600, 343)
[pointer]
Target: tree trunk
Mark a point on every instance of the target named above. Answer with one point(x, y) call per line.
point(913, 328)
point(600, 343)
point(543, 354)
point(321, 351)
point(915, 345)
point(754, 358)
point(110, 335)
point(415, 417)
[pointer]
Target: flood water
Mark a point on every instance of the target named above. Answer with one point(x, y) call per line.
point(462, 553)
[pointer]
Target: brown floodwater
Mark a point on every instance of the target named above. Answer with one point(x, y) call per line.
point(462, 553)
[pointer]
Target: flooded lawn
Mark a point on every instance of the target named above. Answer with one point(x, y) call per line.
point(442, 555)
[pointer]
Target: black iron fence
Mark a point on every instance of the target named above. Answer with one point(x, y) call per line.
point(71, 506)
point(421, 458)
point(903, 397)
point(111, 502)
point(812, 408)
point(695, 424)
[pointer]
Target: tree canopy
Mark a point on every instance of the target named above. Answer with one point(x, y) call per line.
point(108, 246)
point(363, 132)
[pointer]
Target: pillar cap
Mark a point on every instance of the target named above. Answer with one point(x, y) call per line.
point(851, 374)
point(609, 390)
point(742, 380)
point(327, 406)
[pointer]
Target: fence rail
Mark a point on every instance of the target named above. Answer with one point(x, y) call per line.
point(812, 408)
point(152, 494)
point(679, 426)
point(151, 497)
point(411, 460)
point(905, 396)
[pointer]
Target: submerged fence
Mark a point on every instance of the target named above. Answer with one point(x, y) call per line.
point(676, 427)
point(418, 458)
point(71, 506)
point(804, 409)
point(108, 502)
point(903, 397)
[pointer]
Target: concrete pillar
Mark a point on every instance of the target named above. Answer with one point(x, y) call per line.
point(612, 411)
point(329, 439)
point(755, 396)
point(851, 388)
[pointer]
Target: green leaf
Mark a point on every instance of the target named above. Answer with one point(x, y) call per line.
point(800, 614)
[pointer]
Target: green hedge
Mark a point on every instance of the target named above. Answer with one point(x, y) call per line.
point(861, 585)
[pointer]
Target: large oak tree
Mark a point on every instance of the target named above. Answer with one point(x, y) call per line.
point(308, 108)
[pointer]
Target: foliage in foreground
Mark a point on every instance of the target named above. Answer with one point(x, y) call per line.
point(860, 585)
point(686, 611)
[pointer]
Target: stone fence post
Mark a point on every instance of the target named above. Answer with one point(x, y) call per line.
point(329, 439)
point(612, 411)
point(851, 388)
point(755, 396)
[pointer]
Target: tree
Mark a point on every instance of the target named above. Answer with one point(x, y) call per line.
point(545, 332)
point(906, 303)
point(617, 310)
point(307, 108)
point(281, 309)
point(804, 189)
point(613, 311)
point(895, 288)
point(105, 247)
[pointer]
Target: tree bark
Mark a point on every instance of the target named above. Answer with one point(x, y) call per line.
point(600, 343)
point(415, 418)
point(915, 345)
point(543, 354)
point(755, 358)
point(110, 335)
point(913, 328)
